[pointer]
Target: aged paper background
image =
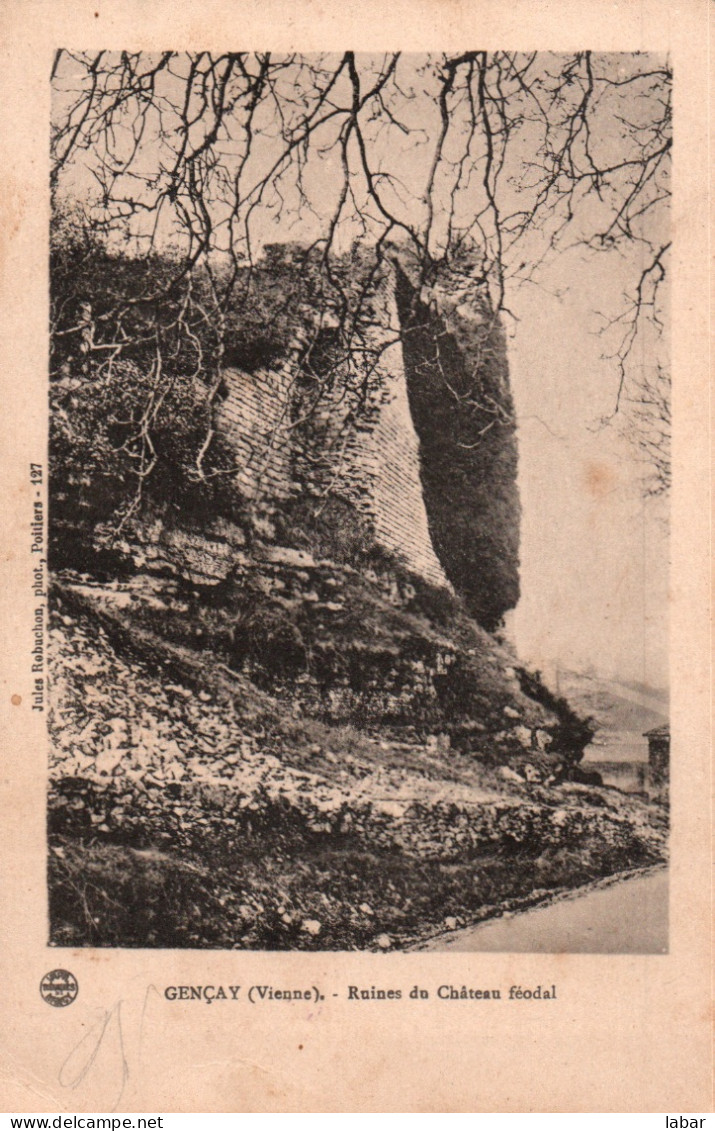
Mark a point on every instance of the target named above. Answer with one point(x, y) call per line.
point(626, 1033)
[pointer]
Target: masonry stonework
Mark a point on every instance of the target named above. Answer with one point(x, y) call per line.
point(374, 466)
point(254, 416)
point(412, 435)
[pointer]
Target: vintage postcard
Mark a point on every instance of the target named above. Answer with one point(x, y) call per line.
point(356, 656)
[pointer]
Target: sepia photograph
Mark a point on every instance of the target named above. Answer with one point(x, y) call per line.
point(356, 564)
point(359, 462)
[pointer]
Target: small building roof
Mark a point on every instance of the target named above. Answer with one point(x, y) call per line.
point(658, 732)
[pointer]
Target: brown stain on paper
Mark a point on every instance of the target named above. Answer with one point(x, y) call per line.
point(600, 478)
point(12, 212)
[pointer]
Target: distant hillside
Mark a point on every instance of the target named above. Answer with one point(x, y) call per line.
point(622, 713)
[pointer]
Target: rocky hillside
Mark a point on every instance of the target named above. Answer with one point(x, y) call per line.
point(359, 767)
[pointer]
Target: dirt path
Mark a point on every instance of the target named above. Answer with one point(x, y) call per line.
point(626, 917)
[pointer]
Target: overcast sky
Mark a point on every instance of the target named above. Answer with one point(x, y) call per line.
point(594, 557)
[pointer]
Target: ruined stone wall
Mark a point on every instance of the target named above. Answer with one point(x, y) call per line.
point(254, 415)
point(372, 463)
point(418, 449)
point(389, 460)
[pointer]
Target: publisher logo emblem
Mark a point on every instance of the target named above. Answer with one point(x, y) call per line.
point(59, 987)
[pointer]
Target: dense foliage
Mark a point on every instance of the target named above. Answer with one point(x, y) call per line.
point(138, 349)
point(461, 404)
